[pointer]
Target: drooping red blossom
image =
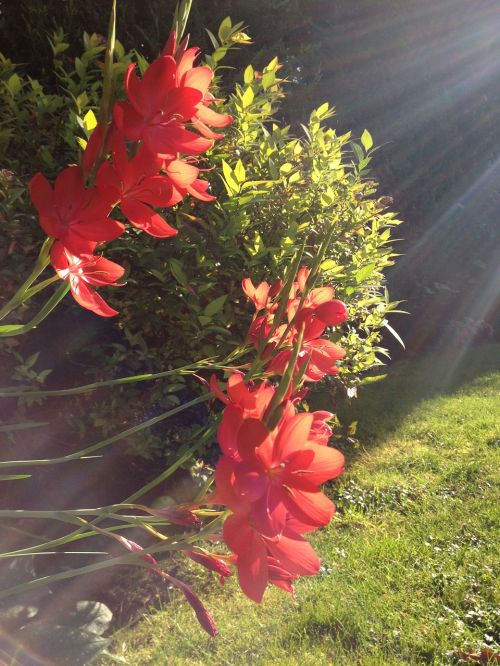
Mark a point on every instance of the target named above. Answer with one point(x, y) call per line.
point(257, 555)
point(137, 184)
point(85, 272)
point(202, 615)
point(74, 215)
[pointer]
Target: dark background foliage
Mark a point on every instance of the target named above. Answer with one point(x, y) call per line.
point(422, 77)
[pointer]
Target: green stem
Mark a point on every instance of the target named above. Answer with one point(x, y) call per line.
point(109, 440)
point(9, 330)
point(41, 285)
point(11, 392)
point(129, 558)
point(41, 264)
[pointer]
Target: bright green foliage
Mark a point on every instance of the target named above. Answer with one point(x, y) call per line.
point(274, 192)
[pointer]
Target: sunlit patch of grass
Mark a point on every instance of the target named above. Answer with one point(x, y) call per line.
point(409, 563)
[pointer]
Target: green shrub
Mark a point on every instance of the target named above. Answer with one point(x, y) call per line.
point(275, 191)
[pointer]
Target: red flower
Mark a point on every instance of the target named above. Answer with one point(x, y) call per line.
point(136, 185)
point(320, 355)
point(320, 431)
point(158, 110)
point(258, 295)
point(76, 216)
point(279, 472)
point(184, 179)
point(200, 79)
point(252, 400)
point(84, 271)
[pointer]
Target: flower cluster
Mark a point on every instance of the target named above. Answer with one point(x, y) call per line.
point(142, 159)
point(308, 313)
point(274, 458)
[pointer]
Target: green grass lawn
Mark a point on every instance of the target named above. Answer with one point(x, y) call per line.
point(408, 572)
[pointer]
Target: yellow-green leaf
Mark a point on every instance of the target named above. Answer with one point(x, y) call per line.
point(247, 97)
point(366, 140)
point(89, 121)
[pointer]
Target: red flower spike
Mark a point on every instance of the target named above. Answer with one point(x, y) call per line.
point(203, 616)
point(85, 272)
point(72, 214)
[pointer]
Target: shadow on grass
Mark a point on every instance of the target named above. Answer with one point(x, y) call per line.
point(383, 405)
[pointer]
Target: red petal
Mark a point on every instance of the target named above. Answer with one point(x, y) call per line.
point(41, 193)
point(320, 295)
point(132, 85)
point(225, 492)
point(215, 388)
point(327, 464)
point(143, 217)
point(252, 481)
point(198, 190)
point(333, 312)
point(181, 173)
point(313, 508)
point(295, 554)
point(199, 78)
point(89, 299)
point(212, 118)
point(129, 121)
point(156, 85)
point(155, 191)
point(101, 272)
point(99, 230)
point(172, 139)
point(181, 103)
point(58, 258)
point(227, 433)
point(269, 513)
point(251, 434)
point(186, 62)
point(292, 435)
